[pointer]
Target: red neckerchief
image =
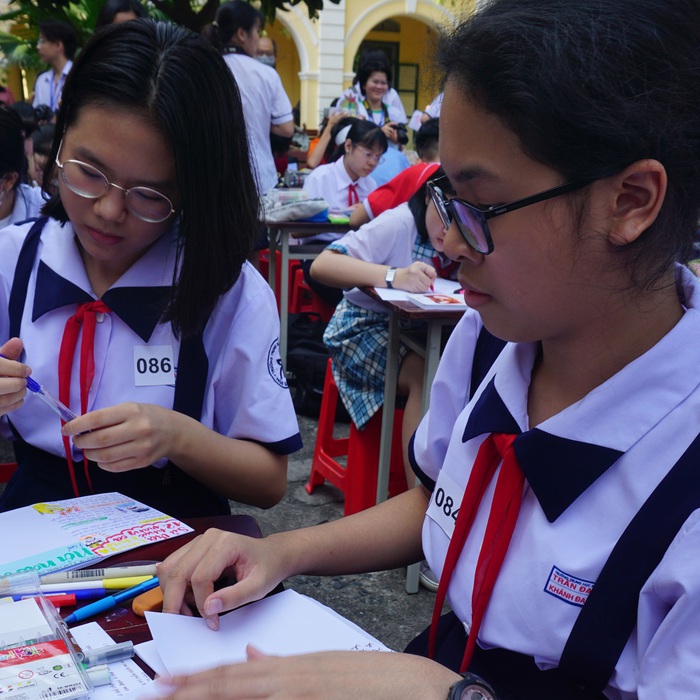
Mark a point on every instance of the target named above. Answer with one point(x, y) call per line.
point(499, 530)
point(352, 194)
point(85, 316)
point(445, 267)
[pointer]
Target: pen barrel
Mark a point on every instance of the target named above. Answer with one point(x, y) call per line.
point(92, 609)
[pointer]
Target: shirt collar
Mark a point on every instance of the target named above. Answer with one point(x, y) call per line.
point(61, 281)
point(342, 179)
point(567, 453)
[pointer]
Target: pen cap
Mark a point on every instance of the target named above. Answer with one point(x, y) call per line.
point(25, 582)
point(109, 654)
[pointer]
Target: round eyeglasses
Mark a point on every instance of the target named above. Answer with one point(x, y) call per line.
point(87, 181)
point(472, 221)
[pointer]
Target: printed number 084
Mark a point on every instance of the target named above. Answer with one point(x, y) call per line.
point(446, 503)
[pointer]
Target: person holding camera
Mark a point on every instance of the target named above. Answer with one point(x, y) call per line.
point(374, 81)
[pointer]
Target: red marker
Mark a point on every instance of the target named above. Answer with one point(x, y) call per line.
point(56, 599)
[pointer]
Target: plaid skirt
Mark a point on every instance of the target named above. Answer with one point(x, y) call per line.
point(357, 341)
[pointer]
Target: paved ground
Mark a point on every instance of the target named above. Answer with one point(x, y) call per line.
point(376, 602)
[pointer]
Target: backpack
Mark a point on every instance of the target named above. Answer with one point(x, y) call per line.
point(307, 358)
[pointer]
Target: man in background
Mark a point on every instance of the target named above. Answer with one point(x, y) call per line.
point(56, 46)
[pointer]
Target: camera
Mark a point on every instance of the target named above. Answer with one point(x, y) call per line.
point(401, 133)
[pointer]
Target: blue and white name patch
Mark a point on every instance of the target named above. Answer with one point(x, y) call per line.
point(568, 588)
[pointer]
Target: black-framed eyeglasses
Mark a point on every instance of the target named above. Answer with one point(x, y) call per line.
point(472, 221)
point(87, 181)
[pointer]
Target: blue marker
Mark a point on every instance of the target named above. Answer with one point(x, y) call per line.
point(110, 601)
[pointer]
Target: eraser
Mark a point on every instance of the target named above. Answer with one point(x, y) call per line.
point(150, 600)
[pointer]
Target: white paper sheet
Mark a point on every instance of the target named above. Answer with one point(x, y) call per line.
point(440, 285)
point(284, 624)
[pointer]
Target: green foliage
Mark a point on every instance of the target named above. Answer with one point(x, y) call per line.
point(19, 44)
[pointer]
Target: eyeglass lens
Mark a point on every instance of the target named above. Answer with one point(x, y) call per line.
point(471, 224)
point(87, 181)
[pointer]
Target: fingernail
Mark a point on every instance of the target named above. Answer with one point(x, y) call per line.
point(212, 623)
point(214, 607)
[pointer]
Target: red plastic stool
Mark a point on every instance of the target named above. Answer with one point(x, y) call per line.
point(302, 297)
point(7, 469)
point(264, 269)
point(357, 480)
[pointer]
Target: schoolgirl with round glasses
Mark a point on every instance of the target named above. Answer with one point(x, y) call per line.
point(84, 179)
point(131, 300)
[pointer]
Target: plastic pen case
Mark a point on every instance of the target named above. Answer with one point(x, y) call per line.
point(38, 658)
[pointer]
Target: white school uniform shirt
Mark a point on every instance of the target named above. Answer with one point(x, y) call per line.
point(264, 103)
point(649, 413)
point(387, 240)
point(246, 391)
point(45, 92)
point(28, 203)
point(332, 183)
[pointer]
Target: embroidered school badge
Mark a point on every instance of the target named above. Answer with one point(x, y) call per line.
point(274, 364)
point(568, 588)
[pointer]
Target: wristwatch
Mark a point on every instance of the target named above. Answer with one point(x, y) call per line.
point(389, 277)
point(471, 687)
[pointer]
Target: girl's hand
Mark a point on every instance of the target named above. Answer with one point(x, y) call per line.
point(344, 675)
point(13, 385)
point(417, 277)
point(124, 437)
point(187, 576)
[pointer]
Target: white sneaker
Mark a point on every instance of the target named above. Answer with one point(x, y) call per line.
point(427, 578)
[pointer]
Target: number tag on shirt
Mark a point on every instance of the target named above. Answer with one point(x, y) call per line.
point(444, 504)
point(153, 365)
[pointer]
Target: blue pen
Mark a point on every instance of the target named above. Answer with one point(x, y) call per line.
point(110, 601)
point(53, 403)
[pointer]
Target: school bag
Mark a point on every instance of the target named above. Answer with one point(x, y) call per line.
point(307, 358)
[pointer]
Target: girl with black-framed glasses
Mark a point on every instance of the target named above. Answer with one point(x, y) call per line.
point(560, 490)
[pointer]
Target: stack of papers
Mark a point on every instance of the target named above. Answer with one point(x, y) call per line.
point(77, 532)
point(283, 624)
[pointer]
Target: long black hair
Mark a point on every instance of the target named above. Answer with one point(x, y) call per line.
point(182, 86)
point(363, 133)
point(230, 17)
point(590, 87)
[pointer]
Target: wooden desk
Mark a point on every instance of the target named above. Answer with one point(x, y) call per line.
point(121, 622)
point(431, 350)
point(280, 233)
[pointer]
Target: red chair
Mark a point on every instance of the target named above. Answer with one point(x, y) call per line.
point(358, 478)
point(304, 299)
point(264, 268)
point(7, 469)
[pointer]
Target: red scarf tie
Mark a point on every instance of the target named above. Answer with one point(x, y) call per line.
point(499, 530)
point(445, 267)
point(352, 194)
point(85, 316)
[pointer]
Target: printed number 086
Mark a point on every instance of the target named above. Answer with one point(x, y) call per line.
point(153, 365)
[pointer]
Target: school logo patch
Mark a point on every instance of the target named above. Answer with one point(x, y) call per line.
point(568, 588)
point(274, 364)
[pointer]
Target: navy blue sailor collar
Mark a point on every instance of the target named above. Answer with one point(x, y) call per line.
point(140, 306)
point(565, 455)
